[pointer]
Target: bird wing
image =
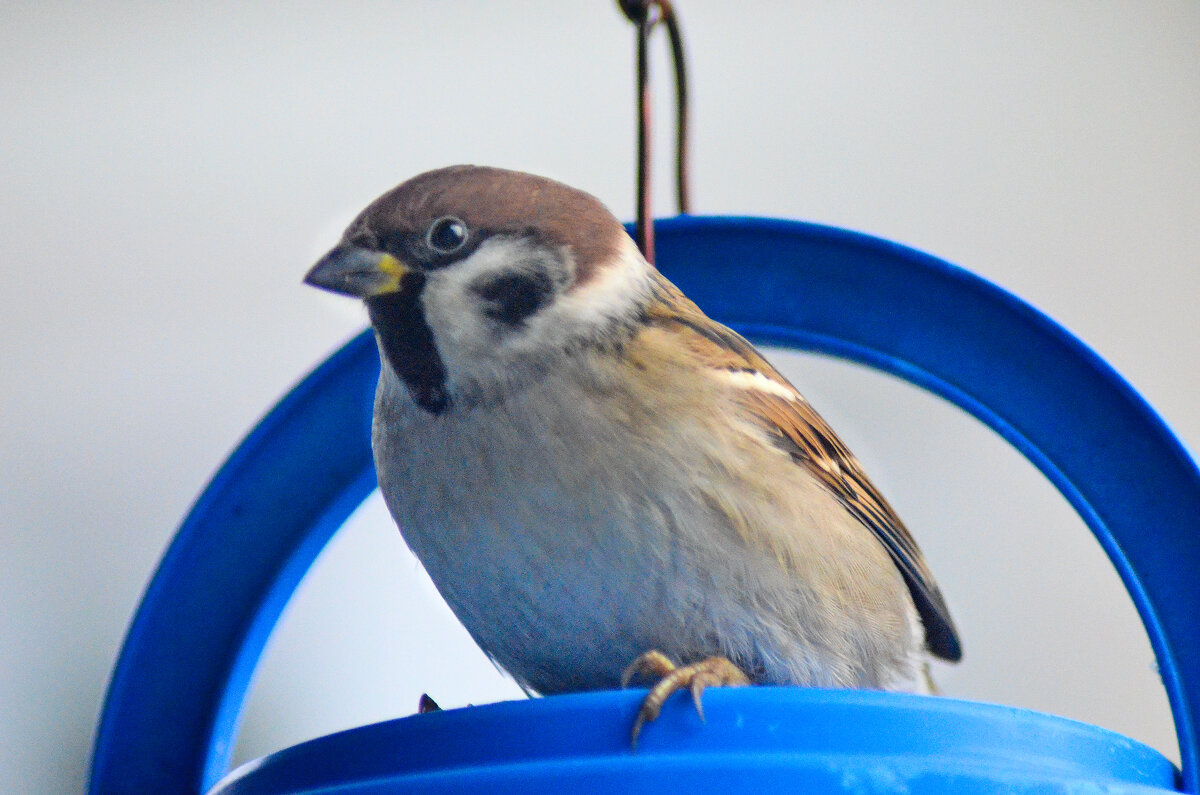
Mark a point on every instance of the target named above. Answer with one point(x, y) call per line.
point(796, 428)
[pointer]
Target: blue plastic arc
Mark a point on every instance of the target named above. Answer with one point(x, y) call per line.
point(171, 713)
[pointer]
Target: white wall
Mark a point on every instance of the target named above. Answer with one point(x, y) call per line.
point(168, 172)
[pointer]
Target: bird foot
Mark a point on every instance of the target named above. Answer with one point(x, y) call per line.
point(714, 671)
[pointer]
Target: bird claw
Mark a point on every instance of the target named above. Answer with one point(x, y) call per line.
point(699, 682)
point(714, 671)
point(650, 665)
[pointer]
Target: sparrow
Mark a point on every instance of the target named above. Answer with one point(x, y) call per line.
point(604, 483)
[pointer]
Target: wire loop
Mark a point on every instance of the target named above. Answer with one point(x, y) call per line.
point(646, 14)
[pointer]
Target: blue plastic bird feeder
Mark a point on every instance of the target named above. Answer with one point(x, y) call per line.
point(169, 721)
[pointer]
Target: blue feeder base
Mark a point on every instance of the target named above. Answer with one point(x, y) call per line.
point(753, 740)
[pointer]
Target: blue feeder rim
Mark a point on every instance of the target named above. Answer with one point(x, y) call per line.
point(171, 713)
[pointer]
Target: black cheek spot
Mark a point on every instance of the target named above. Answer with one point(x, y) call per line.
point(513, 297)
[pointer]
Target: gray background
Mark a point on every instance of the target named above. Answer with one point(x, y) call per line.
point(167, 174)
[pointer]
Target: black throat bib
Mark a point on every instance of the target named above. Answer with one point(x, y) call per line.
point(407, 343)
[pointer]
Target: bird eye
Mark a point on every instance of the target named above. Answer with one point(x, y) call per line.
point(446, 235)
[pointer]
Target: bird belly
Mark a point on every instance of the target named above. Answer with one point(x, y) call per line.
point(566, 556)
point(562, 587)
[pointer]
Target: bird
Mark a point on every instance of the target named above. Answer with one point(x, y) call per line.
point(603, 483)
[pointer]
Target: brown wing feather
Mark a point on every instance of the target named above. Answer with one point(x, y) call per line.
point(797, 429)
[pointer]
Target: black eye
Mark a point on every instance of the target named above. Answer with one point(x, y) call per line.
point(446, 235)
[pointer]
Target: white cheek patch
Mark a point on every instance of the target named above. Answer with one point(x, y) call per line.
point(612, 293)
point(466, 335)
point(478, 349)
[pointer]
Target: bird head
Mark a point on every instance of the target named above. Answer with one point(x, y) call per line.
point(479, 279)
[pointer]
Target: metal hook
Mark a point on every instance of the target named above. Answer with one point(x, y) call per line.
point(639, 12)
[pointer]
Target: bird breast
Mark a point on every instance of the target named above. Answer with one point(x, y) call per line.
point(594, 515)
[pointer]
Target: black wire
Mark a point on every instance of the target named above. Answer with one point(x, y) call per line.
point(639, 12)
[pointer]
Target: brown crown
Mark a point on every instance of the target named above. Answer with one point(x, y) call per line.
point(498, 201)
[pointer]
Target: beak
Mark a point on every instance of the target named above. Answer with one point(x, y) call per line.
point(358, 272)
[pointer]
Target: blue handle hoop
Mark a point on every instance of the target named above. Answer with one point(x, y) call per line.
point(171, 713)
